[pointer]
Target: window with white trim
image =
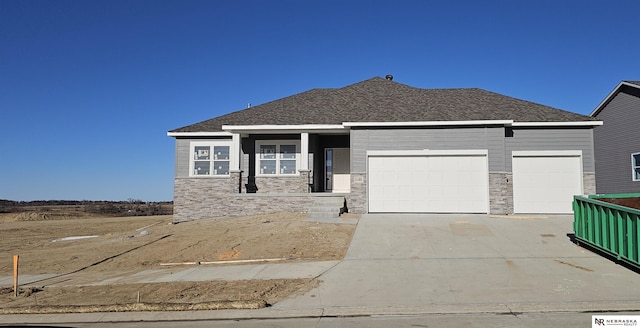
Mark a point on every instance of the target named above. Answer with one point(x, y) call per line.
point(277, 157)
point(210, 158)
point(635, 166)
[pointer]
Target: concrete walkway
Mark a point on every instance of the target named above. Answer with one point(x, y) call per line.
point(231, 272)
point(406, 264)
point(262, 271)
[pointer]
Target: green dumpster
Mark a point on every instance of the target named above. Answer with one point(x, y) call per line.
point(611, 228)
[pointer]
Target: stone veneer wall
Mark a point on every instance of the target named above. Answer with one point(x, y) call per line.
point(201, 198)
point(357, 199)
point(235, 182)
point(589, 183)
point(254, 204)
point(282, 184)
point(500, 193)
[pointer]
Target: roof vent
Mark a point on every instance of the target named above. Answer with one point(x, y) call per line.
point(389, 77)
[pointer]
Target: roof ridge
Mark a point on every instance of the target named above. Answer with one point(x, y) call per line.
point(459, 88)
point(381, 79)
point(375, 78)
point(378, 79)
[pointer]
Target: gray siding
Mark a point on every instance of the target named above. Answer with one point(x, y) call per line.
point(552, 139)
point(491, 138)
point(614, 142)
point(182, 158)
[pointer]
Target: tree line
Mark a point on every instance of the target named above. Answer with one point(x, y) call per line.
point(130, 207)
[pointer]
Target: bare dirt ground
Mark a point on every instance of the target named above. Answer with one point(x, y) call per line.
point(132, 244)
point(633, 202)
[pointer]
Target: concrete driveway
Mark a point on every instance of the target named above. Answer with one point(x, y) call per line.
point(469, 263)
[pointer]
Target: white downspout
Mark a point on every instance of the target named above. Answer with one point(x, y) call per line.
point(235, 158)
point(304, 151)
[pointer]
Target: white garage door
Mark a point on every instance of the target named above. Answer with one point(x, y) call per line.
point(545, 182)
point(428, 182)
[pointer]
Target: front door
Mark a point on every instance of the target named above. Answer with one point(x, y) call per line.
point(337, 170)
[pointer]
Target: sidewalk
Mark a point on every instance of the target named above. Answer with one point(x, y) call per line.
point(408, 264)
point(187, 273)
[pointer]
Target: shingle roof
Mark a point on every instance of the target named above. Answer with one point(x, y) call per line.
point(381, 100)
point(634, 82)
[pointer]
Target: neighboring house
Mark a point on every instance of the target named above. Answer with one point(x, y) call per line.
point(385, 147)
point(617, 141)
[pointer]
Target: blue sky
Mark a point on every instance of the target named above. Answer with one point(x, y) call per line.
point(89, 89)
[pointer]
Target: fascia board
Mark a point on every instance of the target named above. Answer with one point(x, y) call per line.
point(199, 134)
point(282, 127)
point(428, 123)
point(580, 123)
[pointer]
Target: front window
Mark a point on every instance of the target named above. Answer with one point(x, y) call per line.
point(277, 157)
point(210, 158)
point(635, 166)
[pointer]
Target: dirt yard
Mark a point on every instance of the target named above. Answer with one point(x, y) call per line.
point(633, 202)
point(92, 249)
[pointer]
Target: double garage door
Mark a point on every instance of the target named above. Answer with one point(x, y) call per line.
point(428, 182)
point(457, 182)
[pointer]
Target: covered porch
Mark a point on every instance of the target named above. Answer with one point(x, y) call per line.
point(285, 161)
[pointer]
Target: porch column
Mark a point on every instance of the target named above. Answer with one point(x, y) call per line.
point(304, 151)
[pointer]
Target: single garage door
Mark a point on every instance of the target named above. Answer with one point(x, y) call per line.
point(428, 182)
point(545, 182)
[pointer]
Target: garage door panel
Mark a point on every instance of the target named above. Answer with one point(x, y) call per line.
point(390, 178)
point(467, 175)
point(435, 178)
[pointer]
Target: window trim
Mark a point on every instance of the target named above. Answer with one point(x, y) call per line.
point(212, 144)
point(634, 167)
point(278, 157)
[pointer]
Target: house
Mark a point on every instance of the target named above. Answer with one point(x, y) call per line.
point(385, 147)
point(617, 141)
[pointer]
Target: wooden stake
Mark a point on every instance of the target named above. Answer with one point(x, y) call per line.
point(15, 275)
